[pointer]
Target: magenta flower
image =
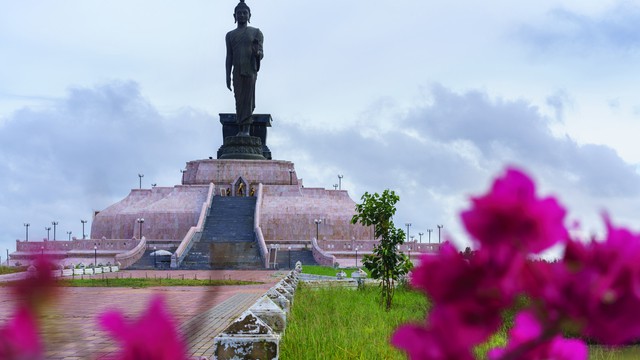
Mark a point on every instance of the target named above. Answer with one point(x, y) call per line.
point(19, 339)
point(528, 341)
point(421, 343)
point(510, 218)
point(153, 336)
point(598, 287)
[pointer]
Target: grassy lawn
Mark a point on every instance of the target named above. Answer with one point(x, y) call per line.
point(339, 323)
point(11, 269)
point(326, 270)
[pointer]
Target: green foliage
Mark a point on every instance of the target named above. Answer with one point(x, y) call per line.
point(386, 262)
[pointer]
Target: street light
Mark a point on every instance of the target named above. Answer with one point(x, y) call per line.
point(69, 233)
point(95, 256)
point(54, 223)
point(420, 233)
point(155, 254)
point(140, 176)
point(140, 221)
point(429, 231)
point(439, 228)
point(26, 226)
point(290, 176)
point(340, 181)
point(154, 185)
point(356, 248)
point(408, 226)
point(83, 222)
point(335, 186)
point(289, 256)
point(318, 222)
point(48, 229)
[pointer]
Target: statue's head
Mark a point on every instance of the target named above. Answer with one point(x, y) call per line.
point(242, 10)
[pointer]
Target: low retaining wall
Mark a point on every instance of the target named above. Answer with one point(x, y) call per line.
point(256, 333)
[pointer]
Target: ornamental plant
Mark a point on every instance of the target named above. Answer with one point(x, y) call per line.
point(386, 262)
point(593, 291)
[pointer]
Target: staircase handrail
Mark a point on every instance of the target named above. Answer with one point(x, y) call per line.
point(262, 245)
point(186, 243)
point(320, 256)
point(130, 257)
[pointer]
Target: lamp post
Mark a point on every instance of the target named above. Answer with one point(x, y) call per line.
point(69, 233)
point(340, 181)
point(289, 248)
point(83, 222)
point(48, 229)
point(26, 226)
point(290, 176)
point(356, 248)
point(140, 176)
point(420, 233)
point(335, 186)
point(408, 225)
point(42, 250)
point(154, 185)
point(439, 228)
point(155, 254)
point(429, 231)
point(95, 255)
point(54, 223)
point(140, 221)
point(318, 222)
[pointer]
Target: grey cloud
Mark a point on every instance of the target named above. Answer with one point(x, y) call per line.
point(568, 31)
point(84, 152)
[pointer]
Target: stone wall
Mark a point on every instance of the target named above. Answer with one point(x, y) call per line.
point(168, 213)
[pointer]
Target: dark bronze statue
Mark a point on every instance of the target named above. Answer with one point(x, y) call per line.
point(244, 52)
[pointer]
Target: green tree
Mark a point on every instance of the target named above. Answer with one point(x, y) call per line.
point(387, 262)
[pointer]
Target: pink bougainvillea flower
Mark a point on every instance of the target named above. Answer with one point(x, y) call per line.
point(39, 285)
point(469, 295)
point(598, 287)
point(19, 339)
point(153, 336)
point(421, 343)
point(511, 218)
point(528, 342)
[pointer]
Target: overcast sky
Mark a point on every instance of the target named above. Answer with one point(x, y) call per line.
point(429, 98)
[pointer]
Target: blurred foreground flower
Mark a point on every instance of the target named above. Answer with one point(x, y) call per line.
point(19, 339)
point(153, 336)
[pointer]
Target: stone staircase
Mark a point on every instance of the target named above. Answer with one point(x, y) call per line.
point(227, 240)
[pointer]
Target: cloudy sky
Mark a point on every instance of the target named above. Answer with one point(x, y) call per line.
point(429, 98)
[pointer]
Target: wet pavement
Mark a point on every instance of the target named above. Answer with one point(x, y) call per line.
point(69, 324)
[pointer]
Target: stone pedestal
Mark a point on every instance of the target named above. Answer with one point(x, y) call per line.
point(241, 147)
point(258, 129)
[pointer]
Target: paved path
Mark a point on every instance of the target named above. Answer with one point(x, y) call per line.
point(71, 332)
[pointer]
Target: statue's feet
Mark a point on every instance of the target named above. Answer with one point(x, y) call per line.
point(244, 130)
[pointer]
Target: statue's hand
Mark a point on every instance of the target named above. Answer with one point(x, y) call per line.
point(229, 83)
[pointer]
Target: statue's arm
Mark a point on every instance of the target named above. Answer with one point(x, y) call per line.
point(259, 42)
point(229, 61)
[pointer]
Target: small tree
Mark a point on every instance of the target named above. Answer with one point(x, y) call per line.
point(386, 262)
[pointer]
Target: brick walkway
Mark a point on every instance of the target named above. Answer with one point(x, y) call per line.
point(71, 332)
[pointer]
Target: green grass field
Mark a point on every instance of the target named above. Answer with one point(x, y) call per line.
point(11, 269)
point(340, 323)
point(326, 270)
